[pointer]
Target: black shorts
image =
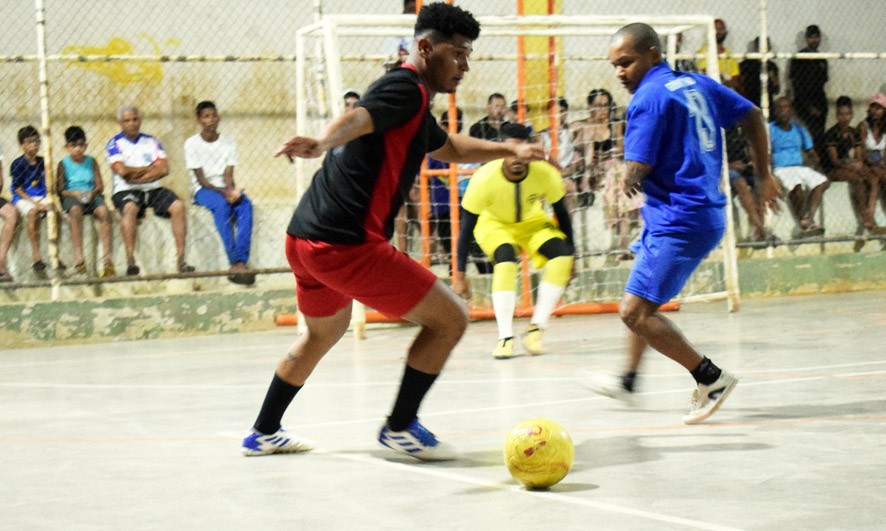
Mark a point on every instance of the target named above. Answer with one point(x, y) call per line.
point(70, 202)
point(159, 199)
point(3, 202)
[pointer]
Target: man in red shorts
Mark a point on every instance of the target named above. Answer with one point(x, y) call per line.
point(338, 240)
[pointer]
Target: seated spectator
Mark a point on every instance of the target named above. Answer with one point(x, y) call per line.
point(749, 77)
point(598, 139)
point(843, 162)
point(569, 160)
point(9, 214)
point(350, 99)
point(211, 158)
point(728, 65)
point(742, 182)
point(138, 163)
point(78, 182)
point(29, 193)
point(872, 131)
point(489, 127)
point(790, 141)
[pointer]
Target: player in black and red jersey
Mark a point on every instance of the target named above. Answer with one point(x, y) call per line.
point(338, 240)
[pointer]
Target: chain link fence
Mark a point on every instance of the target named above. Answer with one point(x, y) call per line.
point(166, 56)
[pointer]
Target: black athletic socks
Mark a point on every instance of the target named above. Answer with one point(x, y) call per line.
point(706, 373)
point(280, 395)
point(412, 391)
point(627, 380)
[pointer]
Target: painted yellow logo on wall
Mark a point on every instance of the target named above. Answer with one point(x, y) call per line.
point(122, 71)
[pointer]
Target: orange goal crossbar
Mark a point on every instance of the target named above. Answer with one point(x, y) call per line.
point(477, 313)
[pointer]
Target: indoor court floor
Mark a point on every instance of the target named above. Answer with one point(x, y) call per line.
point(145, 435)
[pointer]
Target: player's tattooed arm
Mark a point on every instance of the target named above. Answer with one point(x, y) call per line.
point(636, 172)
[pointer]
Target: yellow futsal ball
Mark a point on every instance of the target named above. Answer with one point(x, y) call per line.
point(539, 453)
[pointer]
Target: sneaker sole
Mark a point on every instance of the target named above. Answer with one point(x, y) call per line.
point(297, 450)
point(717, 404)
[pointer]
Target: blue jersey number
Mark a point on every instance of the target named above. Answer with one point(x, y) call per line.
point(704, 124)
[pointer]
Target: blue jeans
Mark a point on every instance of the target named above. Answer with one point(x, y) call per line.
point(226, 216)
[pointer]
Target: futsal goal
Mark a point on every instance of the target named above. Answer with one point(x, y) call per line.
point(535, 62)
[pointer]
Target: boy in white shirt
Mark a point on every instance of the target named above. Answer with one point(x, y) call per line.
point(211, 158)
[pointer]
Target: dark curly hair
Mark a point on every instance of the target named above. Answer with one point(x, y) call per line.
point(440, 21)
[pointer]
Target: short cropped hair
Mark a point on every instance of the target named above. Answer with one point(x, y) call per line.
point(514, 130)
point(495, 95)
point(27, 132)
point(444, 119)
point(203, 105)
point(642, 36)
point(75, 133)
point(125, 108)
point(844, 101)
point(440, 21)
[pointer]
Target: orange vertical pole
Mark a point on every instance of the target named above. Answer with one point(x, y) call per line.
point(424, 216)
point(454, 200)
point(525, 303)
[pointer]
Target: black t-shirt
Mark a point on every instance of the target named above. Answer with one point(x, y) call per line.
point(843, 143)
point(356, 194)
point(808, 78)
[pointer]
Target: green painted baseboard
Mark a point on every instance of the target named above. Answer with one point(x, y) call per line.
point(118, 318)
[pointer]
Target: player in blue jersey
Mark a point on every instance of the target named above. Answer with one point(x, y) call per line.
point(674, 154)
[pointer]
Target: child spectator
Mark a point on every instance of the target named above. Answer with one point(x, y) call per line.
point(9, 214)
point(79, 186)
point(29, 192)
point(211, 157)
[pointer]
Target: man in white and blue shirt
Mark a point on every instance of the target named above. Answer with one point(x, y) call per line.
point(674, 154)
point(138, 162)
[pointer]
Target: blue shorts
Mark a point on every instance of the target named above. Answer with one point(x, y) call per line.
point(666, 259)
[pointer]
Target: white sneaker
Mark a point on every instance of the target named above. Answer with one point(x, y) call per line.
point(280, 442)
point(608, 385)
point(418, 442)
point(707, 399)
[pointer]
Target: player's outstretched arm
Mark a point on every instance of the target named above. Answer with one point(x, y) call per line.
point(353, 124)
point(461, 148)
point(758, 140)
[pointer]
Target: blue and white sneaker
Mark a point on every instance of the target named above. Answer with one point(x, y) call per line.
point(418, 442)
point(281, 442)
point(707, 399)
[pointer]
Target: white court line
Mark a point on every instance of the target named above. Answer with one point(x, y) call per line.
point(38, 385)
point(550, 496)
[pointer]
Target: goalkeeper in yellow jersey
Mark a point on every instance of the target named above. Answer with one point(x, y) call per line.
point(504, 208)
